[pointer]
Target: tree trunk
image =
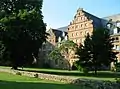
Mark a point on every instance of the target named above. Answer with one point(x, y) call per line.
point(95, 70)
point(15, 67)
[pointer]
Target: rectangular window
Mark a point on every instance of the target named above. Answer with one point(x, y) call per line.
point(117, 47)
point(72, 34)
point(76, 33)
point(118, 24)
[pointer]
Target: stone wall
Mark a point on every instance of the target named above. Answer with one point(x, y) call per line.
point(93, 84)
point(64, 79)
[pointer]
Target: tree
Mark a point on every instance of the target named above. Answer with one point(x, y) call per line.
point(97, 50)
point(2, 49)
point(62, 51)
point(103, 53)
point(22, 29)
point(55, 55)
point(66, 47)
point(84, 54)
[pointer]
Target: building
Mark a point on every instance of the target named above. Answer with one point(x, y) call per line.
point(114, 26)
point(54, 37)
point(83, 23)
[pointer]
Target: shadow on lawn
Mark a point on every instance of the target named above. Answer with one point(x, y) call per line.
point(70, 73)
point(33, 85)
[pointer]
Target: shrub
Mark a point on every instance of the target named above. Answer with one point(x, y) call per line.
point(117, 80)
point(113, 69)
point(85, 70)
point(117, 67)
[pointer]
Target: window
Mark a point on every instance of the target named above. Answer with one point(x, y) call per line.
point(76, 26)
point(114, 47)
point(86, 24)
point(80, 33)
point(118, 23)
point(74, 41)
point(72, 34)
point(77, 40)
point(115, 30)
point(82, 18)
point(109, 25)
point(117, 47)
point(76, 34)
point(63, 34)
point(72, 26)
point(86, 32)
point(75, 16)
point(117, 38)
point(68, 29)
point(81, 25)
point(56, 62)
point(83, 40)
point(113, 39)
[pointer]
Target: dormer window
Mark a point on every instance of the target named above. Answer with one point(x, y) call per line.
point(63, 34)
point(68, 29)
point(118, 23)
point(109, 25)
point(115, 30)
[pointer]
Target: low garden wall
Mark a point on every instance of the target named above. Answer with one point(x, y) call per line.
point(94, 84)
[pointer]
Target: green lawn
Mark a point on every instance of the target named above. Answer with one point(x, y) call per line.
point(10, 81)
point(102, 75)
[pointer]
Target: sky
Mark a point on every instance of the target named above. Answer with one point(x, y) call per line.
point(59, 13)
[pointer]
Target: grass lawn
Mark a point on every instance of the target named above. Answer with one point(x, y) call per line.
point(102, 75)
point(10, 81)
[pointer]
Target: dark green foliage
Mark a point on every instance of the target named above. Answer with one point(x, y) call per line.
point(66, 45)
point(103, 54)
point(85, 55)
point(2, 49)
point(22, 29)
point(117, 80)
point(117, 67)
point(97, 50)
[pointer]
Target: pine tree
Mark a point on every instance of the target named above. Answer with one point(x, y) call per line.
point(85, 53)
point(97, 50)
point(103, 53)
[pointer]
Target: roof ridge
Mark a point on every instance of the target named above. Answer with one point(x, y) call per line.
point(111, 15)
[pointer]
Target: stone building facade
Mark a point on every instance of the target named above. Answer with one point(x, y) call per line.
point(54, 37)
point(83, 23)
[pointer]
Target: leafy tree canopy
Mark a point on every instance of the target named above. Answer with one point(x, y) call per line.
point(22, 29)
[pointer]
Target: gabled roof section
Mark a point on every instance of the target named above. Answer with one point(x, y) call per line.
point(114, 18)
point(56, 32)
point(64, 29)
point(96, 20)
